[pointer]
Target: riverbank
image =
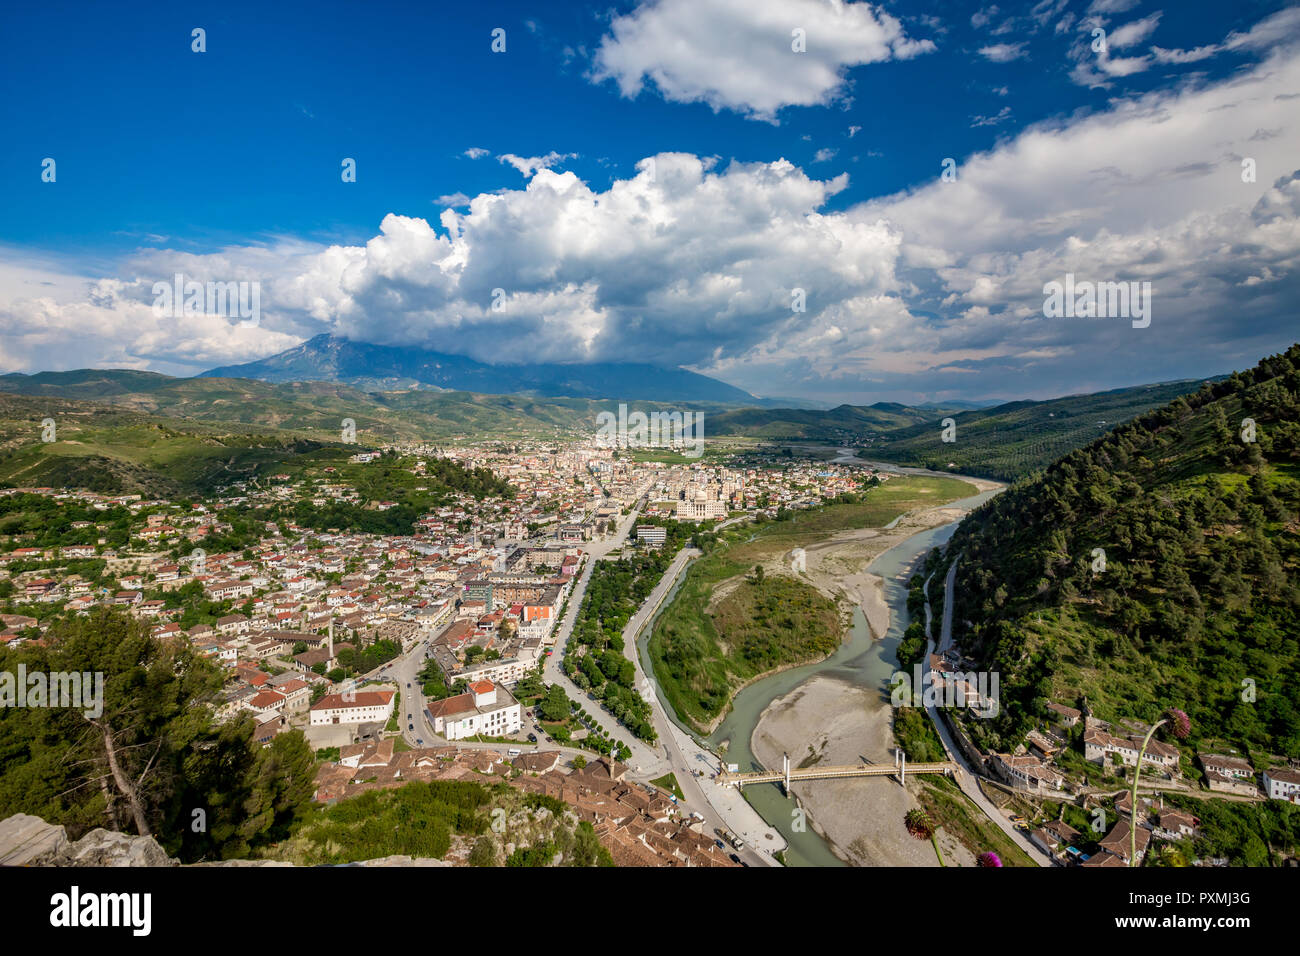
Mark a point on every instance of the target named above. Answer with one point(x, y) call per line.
point(828, 721)
point(838, 566)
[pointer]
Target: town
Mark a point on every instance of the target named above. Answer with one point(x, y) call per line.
point(416, 655)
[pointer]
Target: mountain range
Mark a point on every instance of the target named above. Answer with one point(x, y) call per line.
point(329, 358)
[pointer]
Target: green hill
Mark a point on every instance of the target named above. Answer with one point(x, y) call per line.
point(112, 450)
point(845, 423)
point(314, 407)
point(1013, 440)
point(1196, 605)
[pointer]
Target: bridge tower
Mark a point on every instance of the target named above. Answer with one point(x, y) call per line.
point(900, 761)
point(785, 769)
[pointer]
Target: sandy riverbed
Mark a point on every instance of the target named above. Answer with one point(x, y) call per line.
point(838, 566)
point(828, 722)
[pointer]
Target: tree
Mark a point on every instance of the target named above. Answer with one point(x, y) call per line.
point(555, 705)
point(144, 754)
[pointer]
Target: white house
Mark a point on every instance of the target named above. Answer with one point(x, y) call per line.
point(1282, 784)
point(363, 707)
point(485, 709)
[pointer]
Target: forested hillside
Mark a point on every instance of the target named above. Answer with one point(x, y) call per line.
point(1012, 441)
point(1155, 567)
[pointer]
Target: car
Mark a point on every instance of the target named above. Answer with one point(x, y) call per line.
point(410, 726)
point(532, 738)
point(408, 683)
point(419, 741)
point(734, 858)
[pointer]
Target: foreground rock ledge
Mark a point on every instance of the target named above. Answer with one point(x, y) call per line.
point(27, 840)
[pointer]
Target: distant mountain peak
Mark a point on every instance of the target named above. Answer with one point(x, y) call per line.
point(331, 358)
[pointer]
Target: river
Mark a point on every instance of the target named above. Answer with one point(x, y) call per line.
point(860, 660)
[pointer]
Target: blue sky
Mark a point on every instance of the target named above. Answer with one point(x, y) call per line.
point(226, 164)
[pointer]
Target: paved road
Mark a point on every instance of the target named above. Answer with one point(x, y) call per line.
point(674, 752)
point(965, 776)
point(644, 761)
point(693, 766)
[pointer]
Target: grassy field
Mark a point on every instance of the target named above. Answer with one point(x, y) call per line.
point(669, 782)
point(724, 628)
point(955, 812)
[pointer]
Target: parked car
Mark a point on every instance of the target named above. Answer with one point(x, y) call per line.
point(532, 738)
point(410, 726)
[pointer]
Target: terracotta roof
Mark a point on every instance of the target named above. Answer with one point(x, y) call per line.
point(364, 698)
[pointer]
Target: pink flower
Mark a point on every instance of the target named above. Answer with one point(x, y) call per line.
point(988, 858)
point(1179, 723)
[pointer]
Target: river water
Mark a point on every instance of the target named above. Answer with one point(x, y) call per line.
point(860, 660)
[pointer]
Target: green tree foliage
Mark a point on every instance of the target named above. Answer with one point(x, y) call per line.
point(1196, 604)
point(555, 705)
point(153, 755)
point(615, 591)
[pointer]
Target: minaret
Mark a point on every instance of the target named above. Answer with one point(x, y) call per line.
point(331, 638)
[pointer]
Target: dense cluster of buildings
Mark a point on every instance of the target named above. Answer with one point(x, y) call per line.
point(638, 824)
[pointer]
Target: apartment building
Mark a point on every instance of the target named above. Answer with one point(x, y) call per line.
point(486, 708)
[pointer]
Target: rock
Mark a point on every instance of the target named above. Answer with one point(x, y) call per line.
point(24, 837)
point(27, 840)
point(102, 847)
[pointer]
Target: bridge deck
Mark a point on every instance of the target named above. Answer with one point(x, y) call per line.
point(826, 773)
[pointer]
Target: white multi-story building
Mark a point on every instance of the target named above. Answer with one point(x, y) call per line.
point(700, 509)
point(1282, 784)
point(485, 709)
point(1099, 746)
point(652, 534)
point(362, 707)
point(509, 671)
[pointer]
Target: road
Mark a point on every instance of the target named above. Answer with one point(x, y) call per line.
point(965, 776)
point(675, 751)
point(692, 765)
point(644, 761)
point(405, 670)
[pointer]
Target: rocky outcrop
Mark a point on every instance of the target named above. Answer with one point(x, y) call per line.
point(24, 837)
point(26, 840)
